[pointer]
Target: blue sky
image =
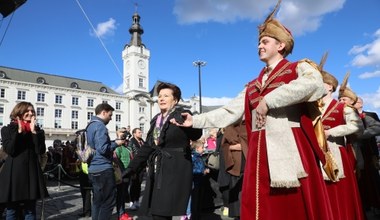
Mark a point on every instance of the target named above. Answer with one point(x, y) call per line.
point(55, 37)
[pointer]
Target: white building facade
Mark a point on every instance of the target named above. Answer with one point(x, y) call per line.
point(64, 104)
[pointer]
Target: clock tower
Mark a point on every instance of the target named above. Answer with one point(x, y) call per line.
point(136, 79)
point(136, 61)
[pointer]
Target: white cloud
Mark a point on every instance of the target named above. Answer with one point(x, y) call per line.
point(118, 89)
point(206, 101)
point(368, 75)
point(227, 11)
point(212, 101)
point(105, 28)
point(368, 54)
point(372, 101)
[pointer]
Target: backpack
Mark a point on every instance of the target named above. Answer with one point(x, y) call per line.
point(84, 151)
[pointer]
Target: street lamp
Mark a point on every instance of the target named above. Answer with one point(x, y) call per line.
point(199, 64)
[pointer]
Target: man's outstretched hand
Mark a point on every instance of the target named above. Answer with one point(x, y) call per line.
point(186, 122)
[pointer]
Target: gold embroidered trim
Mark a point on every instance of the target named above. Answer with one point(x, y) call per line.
point(252, 91)
point(326, 116)
point(329, 119)
point(276, 74)
point(275, 85)
point(257, 177)
point(255, 100)
point(251, 85)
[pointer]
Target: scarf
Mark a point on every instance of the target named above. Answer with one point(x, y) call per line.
point(285, 164)
point(159, 124)
point(25, 125)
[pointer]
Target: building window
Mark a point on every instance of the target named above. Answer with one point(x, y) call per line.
point(142, 127)
point(141, 82)
point(40, 111)
point(58, 113)
point(21, 95)
point(1, 109)
point(90, 103)
point(74, 125)
point(118, 126)
point(118, 117)
point(40, 97)
point(58, 99)
point(104, 101)
point(74, 114)
point(2, 93)
point(141, 109)
point(118, 105)
point(40, 122)
point(57, 123)
point(75, 101)
point(89, 115)
point(1, 121)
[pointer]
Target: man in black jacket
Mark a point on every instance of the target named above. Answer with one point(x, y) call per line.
point(135, 144)
point(369, 180)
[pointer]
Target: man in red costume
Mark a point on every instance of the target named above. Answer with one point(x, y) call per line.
point(282, 178)
point(366, 152)
point(340, 123)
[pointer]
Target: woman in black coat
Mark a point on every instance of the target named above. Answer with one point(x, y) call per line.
point(167, 152)
point(21, 178)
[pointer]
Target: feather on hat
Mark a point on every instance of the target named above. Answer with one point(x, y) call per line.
point(327, 77)
point(344, 91)
point(273, 28)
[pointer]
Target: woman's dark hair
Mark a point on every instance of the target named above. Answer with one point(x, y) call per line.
point(20, 109)
point(174, 88)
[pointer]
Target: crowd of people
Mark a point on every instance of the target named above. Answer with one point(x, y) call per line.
point(287, 150)
point(299, 161)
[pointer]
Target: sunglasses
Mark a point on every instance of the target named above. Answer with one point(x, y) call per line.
point(29, 110)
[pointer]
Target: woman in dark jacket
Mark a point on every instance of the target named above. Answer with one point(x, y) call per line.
point(167, 152)
point(21, 178)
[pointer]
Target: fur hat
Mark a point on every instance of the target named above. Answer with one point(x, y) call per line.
point(273, 28)
point(344, 91)
point(327, 77)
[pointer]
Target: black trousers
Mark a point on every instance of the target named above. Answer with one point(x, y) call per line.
point(197, 196)
point(85, 191)
point(158, 217)
point(135, 187)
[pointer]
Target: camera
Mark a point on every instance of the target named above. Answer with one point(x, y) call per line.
point(178, 117)
point(126, 135)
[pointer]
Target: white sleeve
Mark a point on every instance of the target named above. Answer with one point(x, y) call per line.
point(223, 116)
point(308, 87)
point(353, 124)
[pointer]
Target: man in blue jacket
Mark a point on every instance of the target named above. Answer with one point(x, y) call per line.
point(100, 168)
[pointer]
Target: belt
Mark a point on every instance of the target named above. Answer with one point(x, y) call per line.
point(155, 162)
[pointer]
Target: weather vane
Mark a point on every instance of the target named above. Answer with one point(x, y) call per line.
point(136, 5)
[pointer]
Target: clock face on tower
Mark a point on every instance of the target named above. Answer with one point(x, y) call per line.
point(141, 64)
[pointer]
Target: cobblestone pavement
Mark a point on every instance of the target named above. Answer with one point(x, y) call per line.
point(65, 202)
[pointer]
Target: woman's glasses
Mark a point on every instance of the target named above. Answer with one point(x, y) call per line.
point(29, 110)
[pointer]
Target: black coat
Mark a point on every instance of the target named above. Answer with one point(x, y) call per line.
point(168, 189)
point(134, 145)
point(21, 178)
